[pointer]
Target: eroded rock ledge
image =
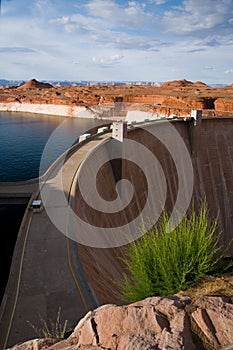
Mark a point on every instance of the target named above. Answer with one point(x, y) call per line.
point(155, 323)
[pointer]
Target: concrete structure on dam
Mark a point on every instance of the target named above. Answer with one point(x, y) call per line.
point(49, 270)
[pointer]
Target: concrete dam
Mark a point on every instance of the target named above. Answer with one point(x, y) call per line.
point(209, 144)
point(50, 270)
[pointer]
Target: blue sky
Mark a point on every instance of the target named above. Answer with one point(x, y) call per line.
point(150, 40)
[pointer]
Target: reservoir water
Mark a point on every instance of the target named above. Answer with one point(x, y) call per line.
point(23, 137)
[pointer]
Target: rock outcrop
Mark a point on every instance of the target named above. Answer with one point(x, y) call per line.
point(34, 84)
point(223, 104)
point(183, 83)
point(154, 323)
point(214, 318)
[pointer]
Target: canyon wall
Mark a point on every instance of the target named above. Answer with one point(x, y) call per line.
point(173, 101)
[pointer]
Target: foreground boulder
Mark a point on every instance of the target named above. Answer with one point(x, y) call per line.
point(214, 319)
point(151, 324)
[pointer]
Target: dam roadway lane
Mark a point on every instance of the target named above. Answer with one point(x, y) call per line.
point(46, 272)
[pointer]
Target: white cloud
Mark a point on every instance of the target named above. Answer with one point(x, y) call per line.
point(229, 71)
point(131, 16)
point(214, 40)
point(123, 41)
point(199, 15)
point(158, 2)
point(110, 25)
point(61, 20)
point(43, 8)
point(16, 49)
point(108, 61)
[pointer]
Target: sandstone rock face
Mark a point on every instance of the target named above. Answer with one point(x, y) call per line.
point(224, 104)
point(214, 318)
point(156, 323)
point(187, 102)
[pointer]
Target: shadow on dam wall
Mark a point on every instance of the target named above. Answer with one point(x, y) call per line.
point(210, 145)
point(11, 216)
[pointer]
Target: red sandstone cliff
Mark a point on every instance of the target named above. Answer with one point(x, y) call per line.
point(168, 98)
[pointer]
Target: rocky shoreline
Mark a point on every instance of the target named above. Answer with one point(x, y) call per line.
point(51, 109)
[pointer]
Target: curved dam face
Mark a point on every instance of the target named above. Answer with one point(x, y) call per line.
point(209, 144)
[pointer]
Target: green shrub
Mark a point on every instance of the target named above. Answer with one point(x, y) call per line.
point(162, 263)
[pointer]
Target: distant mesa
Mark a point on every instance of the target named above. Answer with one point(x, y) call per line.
point(183, 83)
point(200, 84)
point(34, 84)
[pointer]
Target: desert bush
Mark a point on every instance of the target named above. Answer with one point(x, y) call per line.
point(50, 329)
point(162, 263)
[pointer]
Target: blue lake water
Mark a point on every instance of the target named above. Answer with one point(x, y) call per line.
point(23, 137)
